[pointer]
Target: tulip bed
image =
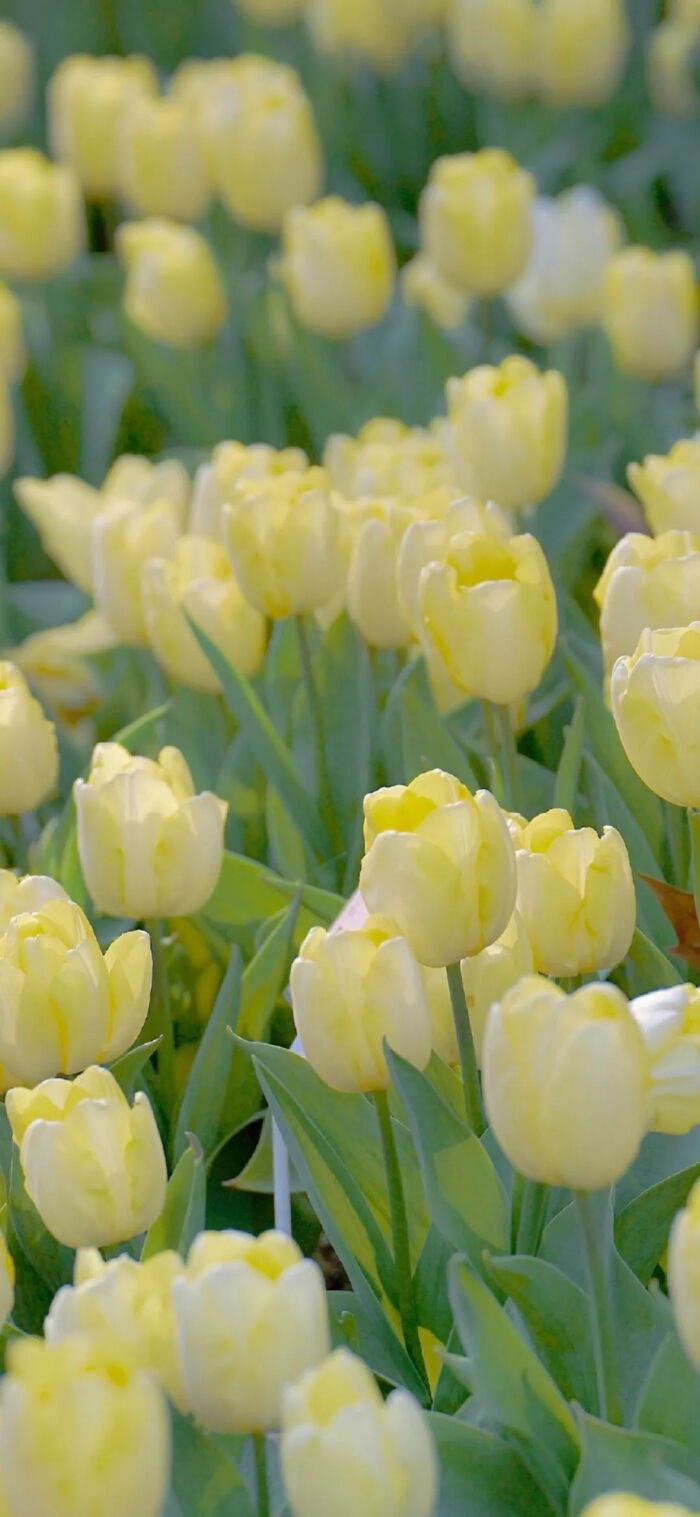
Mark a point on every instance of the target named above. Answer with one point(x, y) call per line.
point(349, 759)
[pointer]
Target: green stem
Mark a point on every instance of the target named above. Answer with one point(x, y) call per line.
point(678, 844)
point(467, 1054)
point(19, 846)
point(261, 1481)
point(399, 1230)
point(509, 757)
point(516, 1208)
point(161, 1018)
point(602, 1317)
point(532, 1216)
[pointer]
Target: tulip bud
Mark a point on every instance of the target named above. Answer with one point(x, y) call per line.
point(387, 458)
point(489, 614)
point(565, 1083)
point(509, 424)
point(142, 482)
point(261, 143)
point(621, 1505)
point(338, 265)
point(283, 539)
point(561, 289)
point(41, 215)
point(16, 76)
point(669, 1021)
point(198, 583)
point(668, 487)
point(655, 696)
point(251, 1316)
point(575, 894)
point(671, 52)
point(271, 12)
point(62, 509)
point(149, 847)
point(86, 100)
point(344, 1449)
point(475, 219)
point(232, 462)
point(174, 289)
point(80, 1433)
point(684, 1274)
point(128, 1302)
point(491, 45)
point(580, 50)
point(647, 582)
point(427, 542)
point(424, 286)
point(368, 31)
point(351, 990)
point(13, 355)
point(160, 165)
point(63, 1004)
point(377, 528)
point(93, 1165)
point(28, 746)
point(53, 662)
point(124, 538)
point(28, 894)
point(651, 312)
point(440, 863)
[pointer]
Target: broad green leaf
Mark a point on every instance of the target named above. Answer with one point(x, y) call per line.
point(430, 1285)
point(480, 1476)
point(642, 1227)
point(108, 377)
point(248, 891)
point(267, 746)
point(669, 1401)
point(257, 1175)
point(266, 975)
point(464, 1193)
point(556, 1313)
point(126, 1070)
point(647, 968)
point(427, 742)
point(615, 1459)
point(661, 1156)
point(286, 843)
point(182, 1216)
point(566, 784)
point(205, 1092)
point(346, 693)
point(206, 1481)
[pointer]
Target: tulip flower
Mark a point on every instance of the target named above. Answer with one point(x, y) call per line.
point(491, 45)
point(655, 696)
point(41, 215)
point(283, 539)
point(647, 582)
point(668, 487)
point(174, 289)
point(86, 100)
point(561, 289)
point(580, 50)
point(198, 583)
point(160, 164)
point(669, 1021)
point(509, 426)
point(475, 220)
point(337, 265)
point(684, 1274)
point(651, 312)
point(28, 746)
point(17, 69)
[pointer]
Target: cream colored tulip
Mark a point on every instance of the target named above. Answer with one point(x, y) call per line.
point(655, 696)
point(368, 31)
point(580, 51)
point(338, 265)
point(439, 862)
point(387, 458)
point(251, 1316)
point(92, 1164)
point(86, 100)
point(29, 893)
point(283, 539)
point(42, 224)
point(28, 746)
point(425, 287)
point(350, 991)
point(509, 426)
point(669, 1021)
point(345, 1449)
point(149, 846)
point(565, 1083)
point(650, 312)
point(198, 583)
point(232, 463)
point(561, 289)
point(54, 661)
point(377, 528)
point(671, 50)
point(486, 976)
point(174, 288)
point(684, 1274)
point(160, 164)
point(647, 582)
point(63, 510)
point(124, 538)
point(668, 487)
point(17, 76)
point(142, 482)
point(427, 541)
point(491, 45)
point(474, 219)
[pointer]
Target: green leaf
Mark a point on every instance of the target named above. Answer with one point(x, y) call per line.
point(465, 1196)
point(611, 809)
point(647, 968)
point(205, 1092)
point(427, 743)
point(566, 786)
point(267, 746)
point(248, 891)
point(257, 1175)
point(182, 1216)
point(480, 1475)
point(346, 693)
point(614, 1459)
point(128, 1067)
point(266, 975)
point(108, 377)
point(641, 1228)
point(669, 1401)
point(206, 1481)
point(512, 1385)
point(556, 1313)
point(131, 736)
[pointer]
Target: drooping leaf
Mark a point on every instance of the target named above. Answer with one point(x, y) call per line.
point(557, 1316)
point(643, 1464)
point(480, 1474)
point(642, 1227)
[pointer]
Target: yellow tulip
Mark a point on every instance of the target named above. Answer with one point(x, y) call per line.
point(439, 862)
point(489, 615)
point(668, 487)
point(251, 1316)
point(377, 529)
point(215, 482)
point(160, 165)
point(486, 976)
point(650, 312)
point(619, 1504)
point(351, 990)
point(565, 1083)
point(475, 219)
point(427, 541)
point(42, 227)
point(174, 289)
point(671, 48)
point(387, 458)
point(424, 286)
point(28, 746)
point(63, 1004)
point(580, 50)
point(62, 509)
point(575, 894)
point(684, 1274)
point(368, 31)
point(54, 662)
point(345, 1449)
point(124, 538)
point(491, 45)
point(16, 76)
point(561, 289)
point(271, 12)
point(30, 893)
point(129, 1302)
point(198, 583)
point(92, 1164)
point(669, 1021)
point(509, 425)
point(283, 538)
point(13, 354)
point(647, 582)
point(338, 265)
point(655, 697)
point(80, 1434)
point(86, 100)
point(149, 846)
point(261, 142)
point(142, 482)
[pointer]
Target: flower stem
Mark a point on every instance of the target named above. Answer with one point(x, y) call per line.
point(316, 714)
point(535, 1199)
point(602, 1316)
point(509, 757)
point(261, 1481)
point(467, 1054)
point(399, 1230)
point(162, 1020)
